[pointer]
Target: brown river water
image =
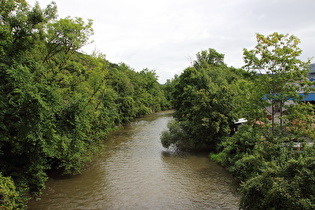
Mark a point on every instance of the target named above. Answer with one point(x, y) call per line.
point(136, 172)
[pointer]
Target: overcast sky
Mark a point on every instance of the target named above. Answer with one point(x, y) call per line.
point(165, 35)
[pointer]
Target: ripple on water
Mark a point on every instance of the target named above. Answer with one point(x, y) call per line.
point(136, 172)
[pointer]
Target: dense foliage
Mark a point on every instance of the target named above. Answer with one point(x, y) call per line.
point(274, 159)
point(9, 196)
point(273, 153)
point(57, 105)
point(273, 173)
point(205, 97)
point(281, 74)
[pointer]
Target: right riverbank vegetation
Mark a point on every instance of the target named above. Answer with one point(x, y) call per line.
point(272, 154)
point(58, 105)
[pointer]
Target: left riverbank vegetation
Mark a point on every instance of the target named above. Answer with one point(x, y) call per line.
point(58, 104)
point(272, 154)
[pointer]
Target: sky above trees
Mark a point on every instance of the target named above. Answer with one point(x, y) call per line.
point(165, 35)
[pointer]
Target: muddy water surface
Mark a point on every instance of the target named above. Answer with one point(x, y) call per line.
point(136, 172)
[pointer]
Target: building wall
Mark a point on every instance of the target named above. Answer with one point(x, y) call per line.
point(311, 75)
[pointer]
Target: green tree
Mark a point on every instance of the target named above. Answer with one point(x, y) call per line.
point(65, 36)
point(206, 57)
point(204, 100)
point(261, 154)
point(168, 88)
point(278, 72)
point(287, 183)
point(41, 119)
point(24, 103)
point(57, 104)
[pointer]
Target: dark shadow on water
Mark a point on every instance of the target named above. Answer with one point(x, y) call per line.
point(154, 116)
point(57, 174)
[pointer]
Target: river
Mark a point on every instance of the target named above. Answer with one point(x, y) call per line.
point(136, 172)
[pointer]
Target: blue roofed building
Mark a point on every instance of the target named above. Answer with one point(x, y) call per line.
point(311, 75)
point(309, 97)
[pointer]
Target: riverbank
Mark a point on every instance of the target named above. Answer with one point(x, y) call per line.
point(136, 172)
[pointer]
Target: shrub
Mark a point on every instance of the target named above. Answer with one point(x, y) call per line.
point(9, 196)
point(285, 185)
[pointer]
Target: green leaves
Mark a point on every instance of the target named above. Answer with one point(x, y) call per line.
point(9, 197)
point(210, 57)
point(273, 174)
point(205, 102)
point(278, 74)
point(70, 34)
point(58, 105)
point(286, 186)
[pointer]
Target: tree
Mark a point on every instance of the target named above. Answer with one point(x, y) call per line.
point(65, 36)
point(44, 120)
point(24, 105)
point(168, 88)
point(206, 57)
point(286, 183)
point(273, 174)
point(21, 27)
point(277, 72)
point(57, 104)
point(204, 99)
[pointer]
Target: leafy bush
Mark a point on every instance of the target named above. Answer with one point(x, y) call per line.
point(241, 143)
point(9, 196)
point(273, 175)
point(286, 185)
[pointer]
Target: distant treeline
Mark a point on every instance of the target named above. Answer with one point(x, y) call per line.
point(57, 105)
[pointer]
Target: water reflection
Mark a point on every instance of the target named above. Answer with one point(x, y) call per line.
point(136, 172)
point(198, 182)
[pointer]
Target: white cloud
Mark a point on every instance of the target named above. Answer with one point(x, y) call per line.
point(164, 35)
